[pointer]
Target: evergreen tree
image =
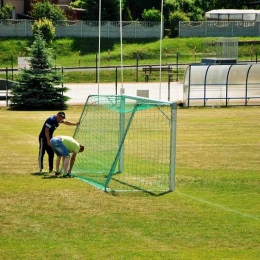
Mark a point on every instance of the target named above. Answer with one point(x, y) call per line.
point(39, 87)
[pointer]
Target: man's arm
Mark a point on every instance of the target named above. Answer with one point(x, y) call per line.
point(69, 123)
point(72, 160)
point(47, 134)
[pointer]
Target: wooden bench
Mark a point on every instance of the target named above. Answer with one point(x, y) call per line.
point(148, 70)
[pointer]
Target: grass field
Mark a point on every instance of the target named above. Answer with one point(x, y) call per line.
point(65, 53)
point(214, 212)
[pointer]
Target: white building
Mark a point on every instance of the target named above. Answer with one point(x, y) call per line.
point(233, 15)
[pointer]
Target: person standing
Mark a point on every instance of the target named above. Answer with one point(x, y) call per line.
point(63, 146)
point(45, 136)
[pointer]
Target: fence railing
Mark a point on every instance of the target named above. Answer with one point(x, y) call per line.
point(108, 29)
point(134, 29)
point(219, 29)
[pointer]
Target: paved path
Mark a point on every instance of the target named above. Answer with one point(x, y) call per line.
point(79, 92)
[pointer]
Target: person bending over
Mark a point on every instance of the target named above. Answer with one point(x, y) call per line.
point(45, 136)
point(63, 146)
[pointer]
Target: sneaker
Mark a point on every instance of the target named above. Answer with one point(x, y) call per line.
point(57, 173)
point(67, 175)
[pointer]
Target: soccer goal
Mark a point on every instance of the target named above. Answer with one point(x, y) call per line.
point(130, 144)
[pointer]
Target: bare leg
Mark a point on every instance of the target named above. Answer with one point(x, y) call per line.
point(66, 164)
point(58, 163)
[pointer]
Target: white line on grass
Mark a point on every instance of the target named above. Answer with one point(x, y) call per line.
point(219, 206)
point(15, 130)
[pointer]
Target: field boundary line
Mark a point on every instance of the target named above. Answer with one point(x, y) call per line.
point(219, 206)
point(15, 130)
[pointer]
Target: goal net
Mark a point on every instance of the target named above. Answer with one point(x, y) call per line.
point(130, 144)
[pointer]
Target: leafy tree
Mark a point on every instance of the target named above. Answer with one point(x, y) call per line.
point(46, 28)
point(47, 10)
point(152, 15)
point(231, 4)
point(6, 11)
point(110, 9)
point(126, 14)
point(78, 4)
point(205, 5)
point(192, 8)
point(137, 7)
point(174, 21)
point(183, 10)
point(38, 87)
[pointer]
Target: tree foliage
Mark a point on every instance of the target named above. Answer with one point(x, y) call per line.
point(110, 9)
point(6, 11)
point(39, 87)
point(47, 10)
point(137, 7)
point(231, 4)
point(131, 9)
point(151, 15)
point(191, 8)
point(174, 19)
point(46, 28)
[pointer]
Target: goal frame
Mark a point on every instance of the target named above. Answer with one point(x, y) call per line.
point(119, 161)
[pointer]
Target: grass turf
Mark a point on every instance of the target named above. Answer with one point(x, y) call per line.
point(214, 212)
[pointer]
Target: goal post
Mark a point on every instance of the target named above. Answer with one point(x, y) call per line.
point(130, 144)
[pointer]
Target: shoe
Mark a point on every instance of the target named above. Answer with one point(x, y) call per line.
point(67, 175)
point(57, 173)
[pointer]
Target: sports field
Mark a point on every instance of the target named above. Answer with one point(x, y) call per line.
point(214, 212)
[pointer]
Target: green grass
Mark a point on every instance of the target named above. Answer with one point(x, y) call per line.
point(65, 53)
point(214, 212)
point(108, 76)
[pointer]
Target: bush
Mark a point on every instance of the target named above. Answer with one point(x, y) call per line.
point(151, 15)
point(6, 11)
point(174, 22)
point(46, 28)
point(47, 10)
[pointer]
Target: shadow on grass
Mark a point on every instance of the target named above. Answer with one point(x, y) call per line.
point(46, 175)
point(142, 190)
point(38, 173)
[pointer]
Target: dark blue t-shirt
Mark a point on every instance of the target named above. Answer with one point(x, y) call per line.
point(52, 124)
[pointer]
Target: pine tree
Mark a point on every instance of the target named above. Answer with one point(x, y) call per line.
point(39, 87)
